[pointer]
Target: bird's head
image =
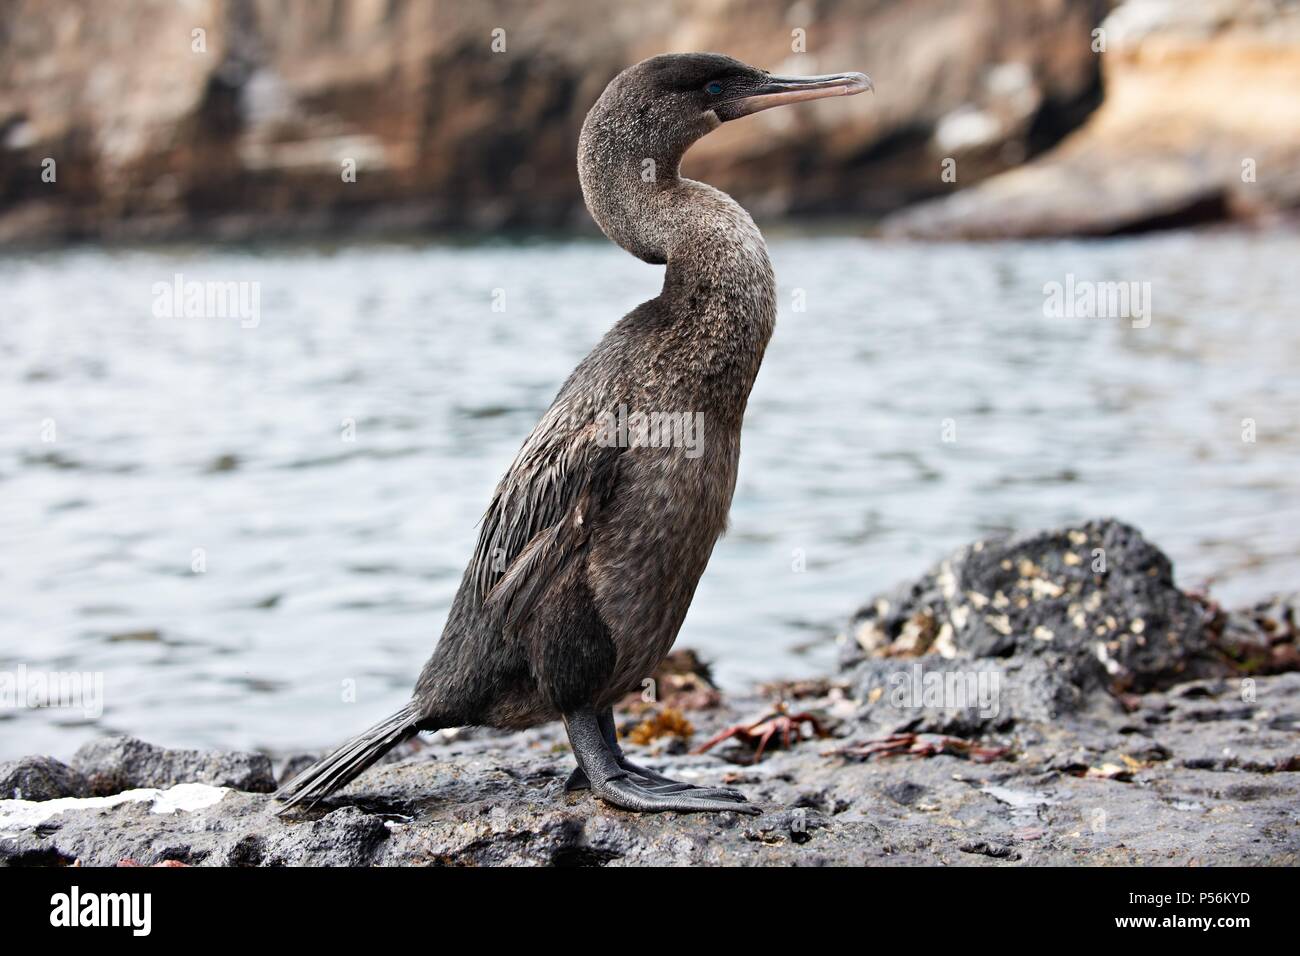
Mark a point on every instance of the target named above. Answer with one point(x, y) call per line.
point(667, 102)
point(650, 114)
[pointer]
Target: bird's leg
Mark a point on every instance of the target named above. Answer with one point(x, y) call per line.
point(617, 786)
point(608, 730)
point(642, 775)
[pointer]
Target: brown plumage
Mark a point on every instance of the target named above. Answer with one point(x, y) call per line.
point(591, 549)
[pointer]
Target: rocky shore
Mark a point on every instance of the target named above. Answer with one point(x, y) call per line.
point(1046, 699)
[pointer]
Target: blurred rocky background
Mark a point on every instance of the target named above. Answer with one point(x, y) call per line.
point(157, 131)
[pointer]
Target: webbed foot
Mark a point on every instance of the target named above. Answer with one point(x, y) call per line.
point(609, 775)
point(622, 791)
point(655, 782)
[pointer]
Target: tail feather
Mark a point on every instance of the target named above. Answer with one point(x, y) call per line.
point(349, 761)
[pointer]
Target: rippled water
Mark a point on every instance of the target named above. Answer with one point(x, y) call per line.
point(330, 560)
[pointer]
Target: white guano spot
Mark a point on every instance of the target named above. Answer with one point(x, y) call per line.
point(184, 797)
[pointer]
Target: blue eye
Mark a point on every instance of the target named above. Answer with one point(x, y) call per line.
point(714, 88)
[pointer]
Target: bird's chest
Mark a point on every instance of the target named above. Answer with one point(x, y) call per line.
point(647, 561)
point(672, 506)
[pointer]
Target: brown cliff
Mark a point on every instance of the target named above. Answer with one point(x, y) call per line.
point(159, 132)
point(1200, 123)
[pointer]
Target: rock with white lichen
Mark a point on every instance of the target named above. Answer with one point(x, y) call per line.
point(1060, 621)
point(1096, 604)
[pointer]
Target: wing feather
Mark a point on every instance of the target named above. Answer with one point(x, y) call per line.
point(540, 516)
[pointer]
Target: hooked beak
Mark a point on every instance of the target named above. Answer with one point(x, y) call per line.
point(780, 90)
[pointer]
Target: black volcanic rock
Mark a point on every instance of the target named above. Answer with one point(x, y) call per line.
point(114, 764)
point(1063, 618)
point(40, 778)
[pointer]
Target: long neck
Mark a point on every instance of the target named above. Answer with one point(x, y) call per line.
point(718, 269)
point(719, 278)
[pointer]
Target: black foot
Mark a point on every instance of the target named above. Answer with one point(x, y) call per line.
point(662, 782)
point(609, 775)
point(655, 782)
point(624, 792)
